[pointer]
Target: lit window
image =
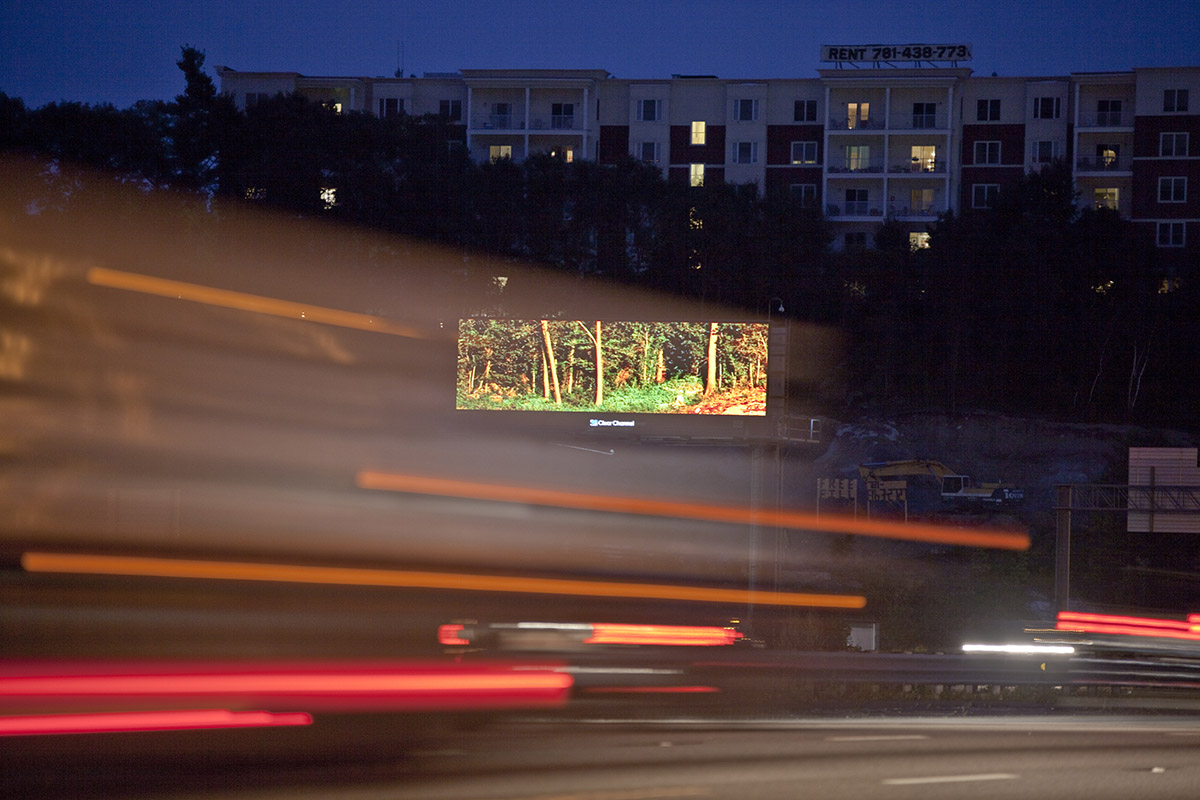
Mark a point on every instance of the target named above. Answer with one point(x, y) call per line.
point(1047, 107)
point(918, 240)
point(921, 201)
point(805, 111)
point(1173, 144)
point(333, 105)
point(1172, 190)
point(804, 152)
point(1175, 100)
point(858, 157)
point(988, 111)
point(1170, 234)
point(983, 195)
point(1044, 151)
point(698, 132)
point(859, 115)
point(650, 152)
point(987, 152)
point(923, 158)
point(329, 197)
point(696, 175)
point(649, 110)
point(694, 221)
point(745, 110)
point(390, 106)
point(255, 193)
point(450, 110)
point(1108, 156)
point(1107, 197)
point(499, 151)
point(745, 153)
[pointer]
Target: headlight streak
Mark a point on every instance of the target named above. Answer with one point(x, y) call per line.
point(89, 564)
point(241, 301)
point(1020, 649)
point(908, 531)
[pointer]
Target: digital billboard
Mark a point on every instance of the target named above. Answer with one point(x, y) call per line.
point(613, 367)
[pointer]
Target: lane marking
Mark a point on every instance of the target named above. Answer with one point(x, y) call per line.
point(990, 776)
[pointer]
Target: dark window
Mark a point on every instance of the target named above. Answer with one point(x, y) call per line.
point(450, 110)
point(1175, 100)
point(806, 111)
point(924, 115)
point(988, 111)
point(1047, 108)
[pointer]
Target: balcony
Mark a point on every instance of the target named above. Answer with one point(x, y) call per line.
point(917, 166)
point(857, 166)
point(1105, 119)
point(537, 122)
point(911, 212)
point(1118, 164)
point(856, 124)
point(498, 122)
point(853, 208)
point(918, 122)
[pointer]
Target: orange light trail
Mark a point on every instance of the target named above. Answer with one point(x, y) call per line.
point(909, 531)
point(226, 298)
point(677, 635)
point(89, 564)
point(126, 721)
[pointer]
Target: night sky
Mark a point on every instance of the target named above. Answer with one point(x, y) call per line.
point(121, 51)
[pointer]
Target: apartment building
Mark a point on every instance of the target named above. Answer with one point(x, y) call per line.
point(862, 145)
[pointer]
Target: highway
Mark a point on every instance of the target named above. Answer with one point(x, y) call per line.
point(1060, 757)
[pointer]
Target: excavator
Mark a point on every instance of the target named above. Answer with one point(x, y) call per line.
point(956, 489)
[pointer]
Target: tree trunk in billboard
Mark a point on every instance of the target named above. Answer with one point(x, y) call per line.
point(596, 342)
point(710, 385)
point(550, 363)
point(599, 367)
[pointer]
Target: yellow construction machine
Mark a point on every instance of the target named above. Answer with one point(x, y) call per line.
point(957, 489)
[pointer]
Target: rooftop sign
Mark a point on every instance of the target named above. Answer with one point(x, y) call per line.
point(896, 52)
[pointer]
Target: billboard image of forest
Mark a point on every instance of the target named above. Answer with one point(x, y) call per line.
point(629, 367)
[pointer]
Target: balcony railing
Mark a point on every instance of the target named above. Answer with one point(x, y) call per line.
point(857, 166)
point(919, 166)
point(918, 122)
point(853, 208)
point(1118, 164)
point(924, 211)
point(856, 124)
point(537, 122)
point(1105, 119)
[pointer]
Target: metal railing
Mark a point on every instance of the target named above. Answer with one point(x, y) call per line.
point(857, 165)
point(853, 208)
point(1102, 164)
point(537, 122)
point(917, 166)
point(918, 122)
point(1105, 119)
point(856, 124)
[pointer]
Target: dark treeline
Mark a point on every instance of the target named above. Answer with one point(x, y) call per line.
point(1032, 307)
